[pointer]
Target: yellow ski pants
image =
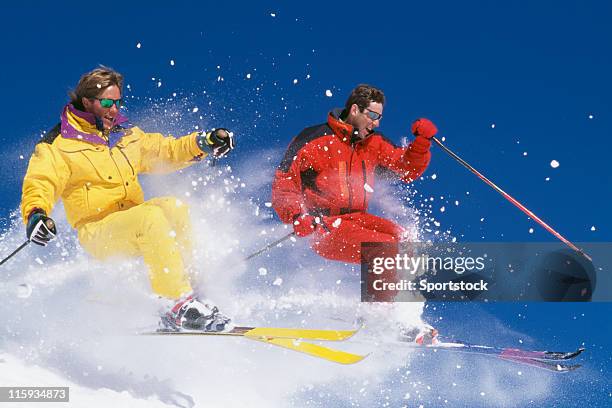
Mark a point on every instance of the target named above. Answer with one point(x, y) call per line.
point(159, 230)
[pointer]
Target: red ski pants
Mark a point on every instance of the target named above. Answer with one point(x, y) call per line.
point(347, 233)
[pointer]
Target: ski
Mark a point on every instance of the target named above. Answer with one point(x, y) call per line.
point(541, 355)
point(315, 350)
point(289, 338)
point(506, 352)
point(548, 360)
point(550, 365)
point(268, 332)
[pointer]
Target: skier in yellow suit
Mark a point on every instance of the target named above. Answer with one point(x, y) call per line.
point(91, 160)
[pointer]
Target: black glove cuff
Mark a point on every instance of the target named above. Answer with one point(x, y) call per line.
point(36, 211)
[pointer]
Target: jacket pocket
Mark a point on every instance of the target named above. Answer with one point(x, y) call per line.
point(91, 163)
point(127, 160)
point(102, 164)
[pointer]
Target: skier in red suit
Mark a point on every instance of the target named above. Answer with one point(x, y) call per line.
point(323, 185)
point(324, 182)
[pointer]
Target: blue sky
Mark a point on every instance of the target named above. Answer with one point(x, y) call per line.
point(534, 71)
point(511, 86)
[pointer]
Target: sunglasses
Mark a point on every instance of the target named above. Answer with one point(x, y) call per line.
point(108, 103)
point(373, 115)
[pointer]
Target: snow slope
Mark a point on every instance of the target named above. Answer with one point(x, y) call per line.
point(76, 322)
point(15, 372)
point(73, 321)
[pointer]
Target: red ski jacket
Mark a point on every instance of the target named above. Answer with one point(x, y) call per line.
point(327, 171)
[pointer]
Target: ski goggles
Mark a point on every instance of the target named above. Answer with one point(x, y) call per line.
point(108, 103)
point(373, 115)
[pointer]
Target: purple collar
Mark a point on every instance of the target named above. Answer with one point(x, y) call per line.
point(70, 132)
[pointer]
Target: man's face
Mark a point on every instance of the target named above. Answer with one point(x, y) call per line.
point(107, 115)
point(364, 120)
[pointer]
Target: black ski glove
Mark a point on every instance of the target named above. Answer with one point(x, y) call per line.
point(40, 228)
point(217, 143)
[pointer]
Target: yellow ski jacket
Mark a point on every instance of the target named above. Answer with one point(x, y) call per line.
point(97, 174)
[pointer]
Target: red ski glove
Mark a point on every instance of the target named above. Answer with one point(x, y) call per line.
point(424, 127)
point(304, 225)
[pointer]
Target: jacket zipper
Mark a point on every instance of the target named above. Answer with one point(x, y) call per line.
point(110, 153)
point(365, 181)
point(86, 188)
point(348, 179)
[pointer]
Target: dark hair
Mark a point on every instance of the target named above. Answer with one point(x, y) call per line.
point(94, 82)
point(363, 95)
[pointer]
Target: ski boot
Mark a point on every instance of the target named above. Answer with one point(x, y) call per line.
point(423, 336)
point(190, 314)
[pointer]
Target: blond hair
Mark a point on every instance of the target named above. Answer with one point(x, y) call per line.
point(94, 82)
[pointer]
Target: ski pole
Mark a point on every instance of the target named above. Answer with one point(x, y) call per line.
point(14, 252)
point(512, 200)
point(267, 247)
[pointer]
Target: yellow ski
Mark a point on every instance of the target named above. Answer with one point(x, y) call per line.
point(271, 332)
point(315, 350)
point(289, 338)
point(310, 334)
